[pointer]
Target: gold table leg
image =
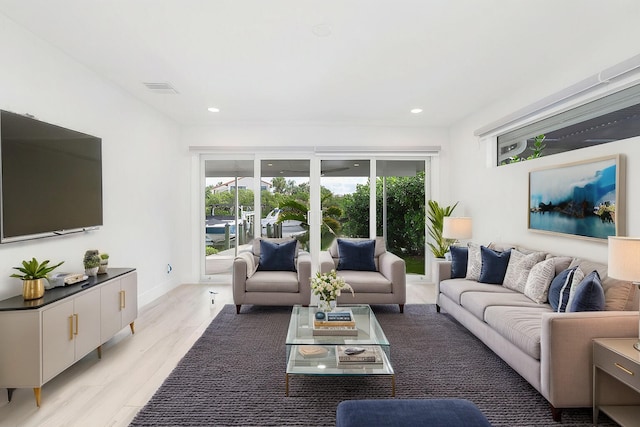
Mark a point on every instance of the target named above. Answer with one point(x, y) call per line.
point(36, 393)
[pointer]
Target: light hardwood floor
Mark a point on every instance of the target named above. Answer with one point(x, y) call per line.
point(111, 390)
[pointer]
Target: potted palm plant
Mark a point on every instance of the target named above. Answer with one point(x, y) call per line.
point(33, 275)
point(436, 215)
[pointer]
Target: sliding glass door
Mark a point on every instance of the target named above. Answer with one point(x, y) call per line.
point(314, 200)
point(344, 199)
point(400, 208)
point(229, 221)
point(285, 201)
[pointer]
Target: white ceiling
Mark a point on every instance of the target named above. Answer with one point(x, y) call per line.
point(371, 61)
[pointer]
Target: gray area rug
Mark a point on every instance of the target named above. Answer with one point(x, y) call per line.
point(234, 375)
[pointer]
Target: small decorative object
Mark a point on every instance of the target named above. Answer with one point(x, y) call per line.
point(320, 315)
point(312, 351)
point(91, 262)
point(33, 275)
point(104, 263)
point(328, 286)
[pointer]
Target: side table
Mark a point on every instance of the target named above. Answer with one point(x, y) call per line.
point(616, 358)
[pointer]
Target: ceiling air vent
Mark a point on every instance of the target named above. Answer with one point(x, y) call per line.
point(161, 88)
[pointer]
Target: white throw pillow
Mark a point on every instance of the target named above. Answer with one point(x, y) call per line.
point(474, 262)
point(250, 261)
point(539, 280)
point(520, 265)
point(578, 277)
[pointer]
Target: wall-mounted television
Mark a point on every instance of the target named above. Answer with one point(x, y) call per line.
point(50, 180)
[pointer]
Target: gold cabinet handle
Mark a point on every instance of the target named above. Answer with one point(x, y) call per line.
point(124, 300)
point(77, 321)
point(121, 300)
point(70, 328)
point(622, 368)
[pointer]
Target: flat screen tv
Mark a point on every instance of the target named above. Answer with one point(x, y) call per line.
point(51, 179)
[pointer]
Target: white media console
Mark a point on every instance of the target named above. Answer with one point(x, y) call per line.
point(41, 338)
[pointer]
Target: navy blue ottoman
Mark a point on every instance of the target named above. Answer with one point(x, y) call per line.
point(410, 412)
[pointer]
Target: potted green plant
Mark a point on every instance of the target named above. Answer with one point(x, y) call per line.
point(91, 262)
point(33, 275)
point(436, 215)
point(104, 263)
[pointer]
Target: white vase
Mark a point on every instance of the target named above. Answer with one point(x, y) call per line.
point(326, 306)
point(91, 271)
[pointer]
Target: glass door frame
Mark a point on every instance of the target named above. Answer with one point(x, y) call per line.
point(315, 214)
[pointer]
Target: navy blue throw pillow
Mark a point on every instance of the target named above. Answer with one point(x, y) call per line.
point(277, 256)
point(356, 255)
point(558, 298)
point(589, 295)
point(459, 259)
point(494, 265)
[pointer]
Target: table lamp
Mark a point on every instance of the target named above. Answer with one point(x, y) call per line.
point(624, 262)
point(456, 228)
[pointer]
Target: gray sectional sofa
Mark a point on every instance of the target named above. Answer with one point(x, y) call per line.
point(552, 350)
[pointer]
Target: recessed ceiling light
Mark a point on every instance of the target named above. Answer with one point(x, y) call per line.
point(416, 110)
point(213, 109)
point(356, 164)
point(269, 164)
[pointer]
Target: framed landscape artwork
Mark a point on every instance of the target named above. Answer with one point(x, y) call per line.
point(583, 199)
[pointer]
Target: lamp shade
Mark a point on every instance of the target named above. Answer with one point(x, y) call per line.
point(624, 258)
point(456, 228)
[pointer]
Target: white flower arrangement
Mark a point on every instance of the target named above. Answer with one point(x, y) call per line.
point(329, 286)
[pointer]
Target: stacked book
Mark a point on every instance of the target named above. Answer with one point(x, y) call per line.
point(367, 356)
point(336, 323)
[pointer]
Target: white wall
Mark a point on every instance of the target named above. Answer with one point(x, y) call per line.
point(497, 197)
point(145, 171)
point(298, 136)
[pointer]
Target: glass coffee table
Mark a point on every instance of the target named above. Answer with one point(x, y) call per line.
point(309, 354)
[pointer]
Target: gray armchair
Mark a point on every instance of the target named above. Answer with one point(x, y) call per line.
point(273, 286)
point(385, 285)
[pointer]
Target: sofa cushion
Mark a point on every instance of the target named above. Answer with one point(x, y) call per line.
point(477, 302)
point(459, 259)
point(474, 262)
point(277, 256)
point(273, 281)
point(518, 269)
point(356, 255)
point(589, 295)
point(619, 295)
point(539, 280)
point(454, 288)
point(562, 262)
point(494, 265)
point(558, 294)
point(522, 326)
point(366, 281)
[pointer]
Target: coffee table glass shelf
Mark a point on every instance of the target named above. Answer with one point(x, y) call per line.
point(320, 351)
